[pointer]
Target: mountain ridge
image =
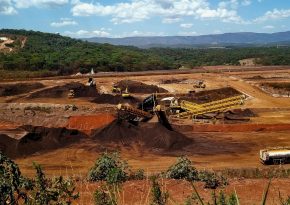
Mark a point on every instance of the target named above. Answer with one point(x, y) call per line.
point(240, 38)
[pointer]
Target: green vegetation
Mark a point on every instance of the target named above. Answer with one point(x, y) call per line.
point(106, 195)
point(51, 191)
point(13, 186)
point(47, 54)
point(137, 175)
point(52, 52)
point(223, 199)
point(212, 180)
point(220, 199)
point(283, 201)
point(182, 169)
point(109, 167)
point(16, 189)
point(256, 173)
point(158, 197)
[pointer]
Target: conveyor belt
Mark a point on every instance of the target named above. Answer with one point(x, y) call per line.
point(193, 109)
point(127, 110)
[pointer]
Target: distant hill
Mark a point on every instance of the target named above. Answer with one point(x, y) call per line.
point(52, 54)
point(226, 39)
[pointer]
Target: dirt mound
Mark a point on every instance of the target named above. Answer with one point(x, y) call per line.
point(80, 90)
point(18, 88)
point(281, 89)
point(243, 112)
point(256, 77)
point(138, 87)
point(278, 86)
point(236, 115)
point(148, 135)
point(211, 95)
point(114, 99)
point(27, 139)
point(173, 81)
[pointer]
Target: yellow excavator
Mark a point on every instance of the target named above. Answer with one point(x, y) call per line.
point(126, 94)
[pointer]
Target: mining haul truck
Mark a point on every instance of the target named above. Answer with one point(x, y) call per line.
point(275, 155)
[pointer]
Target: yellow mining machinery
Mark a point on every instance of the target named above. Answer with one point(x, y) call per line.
point(192, 109)
point(126, 94)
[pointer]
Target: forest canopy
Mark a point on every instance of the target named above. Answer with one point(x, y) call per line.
point(64, 55)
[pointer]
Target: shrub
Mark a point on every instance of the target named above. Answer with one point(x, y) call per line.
point(104, 197)
point(116, 175)
point(223, 199)
point(220, 199)
point(47, 191)
point(211, 179)
point(13, 186)
point(83, 70)
point(284, 201)
point(158, 197)
point(182, 169)
point(109, 167)
point(15, 189)
point(137, 175)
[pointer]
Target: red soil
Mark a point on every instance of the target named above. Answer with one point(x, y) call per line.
point(8, 125)
point(240, 127)
point(90, 122)
point(250, 191)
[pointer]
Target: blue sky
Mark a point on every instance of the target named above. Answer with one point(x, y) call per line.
point(111, 18)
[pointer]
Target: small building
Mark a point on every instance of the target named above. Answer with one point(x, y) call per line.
point(248, 62)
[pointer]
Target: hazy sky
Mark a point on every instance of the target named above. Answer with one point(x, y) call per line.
point(111, 18)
